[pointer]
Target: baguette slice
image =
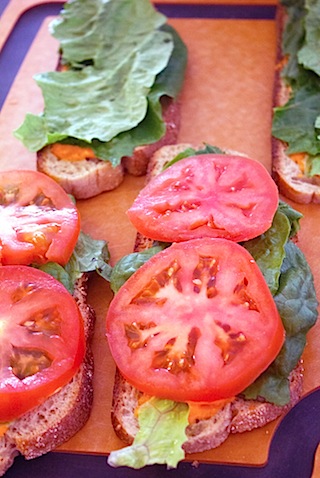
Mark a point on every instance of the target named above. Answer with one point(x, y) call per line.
point(89, 177)
point(291, 180)
point(61, 415)
point(237, 416)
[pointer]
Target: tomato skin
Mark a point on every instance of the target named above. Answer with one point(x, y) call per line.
point(197, 322)
point(39, 221)
point(210, 195)
point(39, 320)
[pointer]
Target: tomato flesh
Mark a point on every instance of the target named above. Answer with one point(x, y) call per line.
point(42, 340)
point(210, 195)
point(197, 322)
point(39, 222)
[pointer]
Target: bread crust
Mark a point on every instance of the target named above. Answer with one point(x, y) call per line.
point(61, 415)
point(250, 414)
point(292, 183)
point(238, 416)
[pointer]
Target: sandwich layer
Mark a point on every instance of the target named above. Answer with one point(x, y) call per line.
point(235, 416)
point(61, 415)
point(89, 177)
point(289, 174)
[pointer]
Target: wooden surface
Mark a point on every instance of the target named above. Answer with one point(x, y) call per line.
point(226, 101)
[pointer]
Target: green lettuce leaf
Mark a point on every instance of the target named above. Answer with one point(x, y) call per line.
point(110, 97)
point(293, 216)
point(308, 55)
point(93, 103)
point(152, 128)
point(34, 134)
point(301, 46)
point(301, 135)
point(313, 165)
point(297, 305)
point(290, 280)
point(207, 149)
point(268, 250)
point(104, 33)
point(129, 264)
point(292, 40)
point(59, 272)
point(170, 80)
point(162, 425)
point(89, 255)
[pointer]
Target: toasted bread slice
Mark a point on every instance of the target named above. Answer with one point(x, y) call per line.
point(61, 415)
point(89, 177)
point(287, 173)
point(235, 416)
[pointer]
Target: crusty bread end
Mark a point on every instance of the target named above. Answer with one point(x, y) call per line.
point(61, 415)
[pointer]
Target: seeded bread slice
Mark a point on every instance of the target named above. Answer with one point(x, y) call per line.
point(61, 415)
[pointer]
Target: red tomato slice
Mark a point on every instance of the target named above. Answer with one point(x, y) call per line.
point(39, 222)
point(197, 322)
point(41, 339)
point(209, 195)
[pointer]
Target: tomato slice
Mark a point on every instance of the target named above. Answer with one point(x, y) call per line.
point(39, 221)
point(42, 340)
point(197, 322)
point(210, 195)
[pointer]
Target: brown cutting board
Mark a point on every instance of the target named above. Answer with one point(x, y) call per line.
point(226, 101)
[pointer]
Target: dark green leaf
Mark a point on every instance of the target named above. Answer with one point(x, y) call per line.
point(127, 265)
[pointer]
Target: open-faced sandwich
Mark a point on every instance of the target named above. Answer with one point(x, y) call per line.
point(46, 324)
point(209, 319)
point(296, 121)
point(113, 99)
